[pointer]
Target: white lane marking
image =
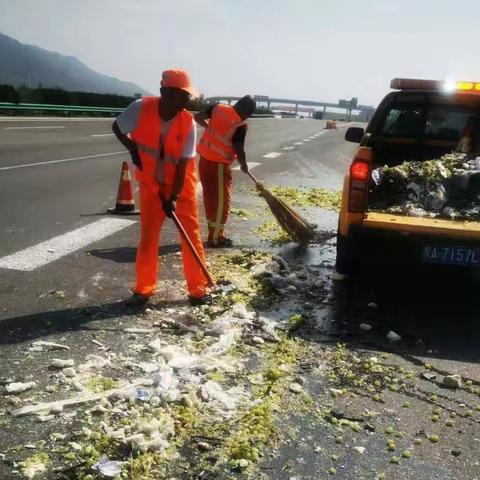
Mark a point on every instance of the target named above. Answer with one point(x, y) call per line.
point(46, 252)
point(62, 160)
point(29, 128)
point(288, 148)
point(103, 135)
point(298, 143)
point(312, 137)
point(306, 140)
point(56, 119)
point(251, 166)
point(272, 155)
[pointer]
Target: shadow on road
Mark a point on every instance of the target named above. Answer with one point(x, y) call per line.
point(436, 312)
point(128, 254)
point(30, 327)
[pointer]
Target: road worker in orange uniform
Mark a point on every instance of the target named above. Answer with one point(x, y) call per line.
point(161, 136)
point(222, 142)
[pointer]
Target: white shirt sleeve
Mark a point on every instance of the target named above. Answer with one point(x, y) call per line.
point(189, 149)
point(127, 121)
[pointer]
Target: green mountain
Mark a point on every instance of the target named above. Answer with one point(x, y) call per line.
point(28, 65)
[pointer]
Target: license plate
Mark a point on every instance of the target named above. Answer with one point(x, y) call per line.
point(452, 255)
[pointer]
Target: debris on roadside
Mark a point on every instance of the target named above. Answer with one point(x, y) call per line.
point(365, 327)
point(452, 381)
point(108, 468)
point(39, 345)
point(36, 464)
point(19, 387)
point(58, 363)
point(393, 337)
point(203, 389)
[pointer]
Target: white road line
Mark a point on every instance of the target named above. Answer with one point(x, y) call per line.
point(56, 119)
point(63, 160)
point(312, 137)
point(46, 252)
point(29, 128)
point(288, 148)
point(272, 155)
point(103, 135)
point(306, 140)
point(251, 166)
point(298, 143)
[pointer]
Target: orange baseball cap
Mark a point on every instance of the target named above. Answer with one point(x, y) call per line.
point(178, 79)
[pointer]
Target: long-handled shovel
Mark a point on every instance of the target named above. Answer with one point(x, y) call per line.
point(192, 248)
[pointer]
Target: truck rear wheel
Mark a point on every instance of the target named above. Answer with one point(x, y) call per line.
point(346, 259)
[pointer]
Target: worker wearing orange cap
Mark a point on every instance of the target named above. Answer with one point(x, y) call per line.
point(222, 142)
point(160, 136)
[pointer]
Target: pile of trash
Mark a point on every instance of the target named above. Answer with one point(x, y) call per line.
point(448, 187)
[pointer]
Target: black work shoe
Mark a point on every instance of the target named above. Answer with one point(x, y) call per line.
point(225, 243)
point(137, 300)
point(207, 299)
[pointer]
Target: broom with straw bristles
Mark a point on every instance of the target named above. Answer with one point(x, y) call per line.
point(297, 228)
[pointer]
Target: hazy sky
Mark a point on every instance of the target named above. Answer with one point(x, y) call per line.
point(308, 49)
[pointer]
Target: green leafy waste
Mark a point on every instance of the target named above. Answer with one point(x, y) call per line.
point(309, 197)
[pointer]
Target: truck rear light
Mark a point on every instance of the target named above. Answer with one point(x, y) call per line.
point(359, 179)
point(359, 170)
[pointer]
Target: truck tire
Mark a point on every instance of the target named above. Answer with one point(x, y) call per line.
point(346, 259)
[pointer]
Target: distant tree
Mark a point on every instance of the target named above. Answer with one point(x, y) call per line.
point(9, 94)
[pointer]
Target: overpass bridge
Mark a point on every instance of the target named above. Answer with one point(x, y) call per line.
point(366, 111)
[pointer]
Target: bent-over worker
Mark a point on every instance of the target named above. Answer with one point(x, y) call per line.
point(222, 142)
point(160, 135)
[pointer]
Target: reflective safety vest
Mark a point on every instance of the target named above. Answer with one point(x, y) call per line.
point(153, 148)
point(216, 142)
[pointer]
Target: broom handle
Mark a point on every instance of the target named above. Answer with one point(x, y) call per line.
point(192, 248)
point(253, 177)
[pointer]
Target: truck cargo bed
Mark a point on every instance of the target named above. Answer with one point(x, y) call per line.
point(423, 225)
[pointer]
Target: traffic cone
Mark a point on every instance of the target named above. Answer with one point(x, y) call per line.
point(125, 202)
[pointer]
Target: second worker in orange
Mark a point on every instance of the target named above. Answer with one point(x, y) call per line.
point(222, 143)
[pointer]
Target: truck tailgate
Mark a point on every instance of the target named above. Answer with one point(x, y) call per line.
point(421, 225)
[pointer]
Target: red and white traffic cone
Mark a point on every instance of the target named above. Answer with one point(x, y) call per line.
point(125, 201)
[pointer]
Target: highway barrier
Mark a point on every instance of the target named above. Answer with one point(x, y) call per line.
point(39, 108)
point(7, 108)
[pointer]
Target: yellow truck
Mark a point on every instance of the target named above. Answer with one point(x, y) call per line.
point(419, 120)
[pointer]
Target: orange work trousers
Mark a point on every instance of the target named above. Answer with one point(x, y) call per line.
point(216, 181)
point(152, 217)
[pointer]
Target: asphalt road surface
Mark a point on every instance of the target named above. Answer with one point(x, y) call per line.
point(64, 264)
point(60, 175)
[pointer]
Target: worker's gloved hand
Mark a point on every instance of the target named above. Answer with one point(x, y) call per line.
point(169, 206)
point(244, 168)
point(136, 159)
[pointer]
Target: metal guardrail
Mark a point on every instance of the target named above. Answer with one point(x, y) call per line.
point(40, 107)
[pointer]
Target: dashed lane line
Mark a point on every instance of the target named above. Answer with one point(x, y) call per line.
point(62, 160)
point(306, 140)
point(272, 155)
point(251, 166)
point(288, 148)
point(46, 252)
point(103, 135)
point(298, 143)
